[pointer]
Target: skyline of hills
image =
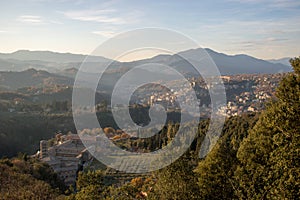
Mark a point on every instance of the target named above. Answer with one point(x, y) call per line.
point(58, 62)
point(285, 61)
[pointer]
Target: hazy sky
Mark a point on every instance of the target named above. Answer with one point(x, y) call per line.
point(261, 28)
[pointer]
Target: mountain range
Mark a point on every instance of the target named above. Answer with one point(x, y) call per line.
point(57, 62)
point(40, 68)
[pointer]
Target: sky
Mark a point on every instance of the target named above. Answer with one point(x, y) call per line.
point(266, 29)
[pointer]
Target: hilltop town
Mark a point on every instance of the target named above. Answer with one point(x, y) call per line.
point(244, 93)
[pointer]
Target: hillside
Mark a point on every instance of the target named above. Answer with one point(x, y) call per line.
point(31, 77)
point(27, 178)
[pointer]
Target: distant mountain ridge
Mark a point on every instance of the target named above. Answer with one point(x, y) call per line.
point(49, 56)
point(58, 62)
point(284, 61)
point(244, 64)
point(16, 73)
point(44, 60)
point(227, 64)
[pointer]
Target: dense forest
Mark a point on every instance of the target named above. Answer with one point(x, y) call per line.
point(257, 157)
point(21, 132)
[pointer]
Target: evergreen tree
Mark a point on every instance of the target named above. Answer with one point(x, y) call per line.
point(89, 185)
point(215, 172)
point(269, 156)
point(177, 181)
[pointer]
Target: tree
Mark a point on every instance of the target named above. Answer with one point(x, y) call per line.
point(89, 178)
point(89, 185)
point(177, 181)
point(269, 156)
point(18, 180)
point(215, 172)
point(133, 190)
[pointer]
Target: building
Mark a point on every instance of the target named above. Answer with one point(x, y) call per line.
point(66, 157)
point(43, 149)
